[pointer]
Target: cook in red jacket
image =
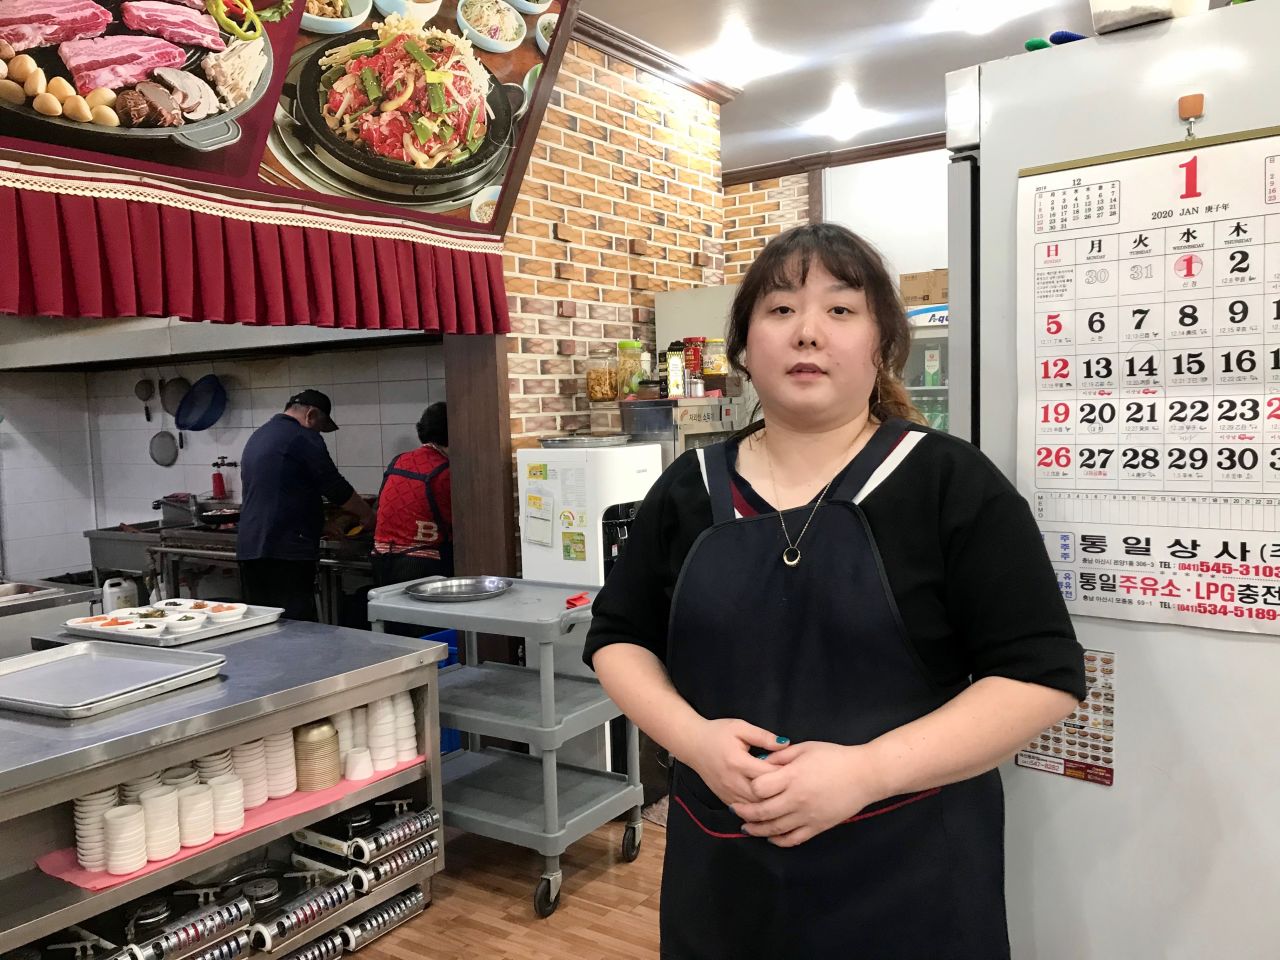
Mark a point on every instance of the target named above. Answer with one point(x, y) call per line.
point(414, 535)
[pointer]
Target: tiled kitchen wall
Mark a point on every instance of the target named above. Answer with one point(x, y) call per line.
point(46, 502)
point(74, 447)
point(377, 396)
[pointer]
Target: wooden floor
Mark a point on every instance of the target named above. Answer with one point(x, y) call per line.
point(483, 904)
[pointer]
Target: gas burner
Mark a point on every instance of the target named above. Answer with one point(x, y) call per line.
point(263, 893)
point(356, 822)
point(150, 915)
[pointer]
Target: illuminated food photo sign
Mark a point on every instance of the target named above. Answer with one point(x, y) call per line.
point(424, 111)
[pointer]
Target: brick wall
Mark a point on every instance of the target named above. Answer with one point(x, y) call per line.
point(754, 212)
point(622, 199)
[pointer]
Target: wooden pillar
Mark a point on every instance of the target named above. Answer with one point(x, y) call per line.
point(480, 454)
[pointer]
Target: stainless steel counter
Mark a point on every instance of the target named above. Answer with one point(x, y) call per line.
point(275, 678)
point(26, 596)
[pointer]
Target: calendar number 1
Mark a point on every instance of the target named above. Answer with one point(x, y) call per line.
point(1190, 176)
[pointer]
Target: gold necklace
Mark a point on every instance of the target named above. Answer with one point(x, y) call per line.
point(791, 555)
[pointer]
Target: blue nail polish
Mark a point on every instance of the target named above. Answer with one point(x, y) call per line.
point(761, 754)
point(783, 740)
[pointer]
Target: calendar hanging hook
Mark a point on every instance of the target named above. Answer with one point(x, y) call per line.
point(1191, 109)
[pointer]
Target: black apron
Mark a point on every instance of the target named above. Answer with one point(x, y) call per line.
point(398, 566)
point(818, 652)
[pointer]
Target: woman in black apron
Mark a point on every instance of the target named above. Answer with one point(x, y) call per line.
point(836, 681)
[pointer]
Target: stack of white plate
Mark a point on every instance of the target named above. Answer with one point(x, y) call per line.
point(406, 729)
point(315, 745)
point(250, 762)
point(214, 765)
point(160, 816)
point(195, 814)
point(126, 839)
point(282, 775)
point(179, 777)
point(382, 733)
point(131, 790)
point(228, 803)
point(91, 832)
point(360, 727)
point(345, 725)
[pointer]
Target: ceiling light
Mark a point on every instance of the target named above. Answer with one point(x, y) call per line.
point(976, 16)
point(845, 118)
point(736, 59)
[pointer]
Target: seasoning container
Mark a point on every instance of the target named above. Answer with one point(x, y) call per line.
point(649, 390)
point(694, 347)
point(629, 369)
point(696, 386)
point(715, 360)
point(675, 369)
point(602, 374)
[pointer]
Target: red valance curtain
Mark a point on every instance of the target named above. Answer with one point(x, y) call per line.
point(118, 245)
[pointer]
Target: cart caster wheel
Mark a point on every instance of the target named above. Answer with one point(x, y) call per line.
point(543, 905)
point(630, 844)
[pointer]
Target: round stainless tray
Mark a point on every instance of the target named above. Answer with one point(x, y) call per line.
point(587, 440)
point(458, 589)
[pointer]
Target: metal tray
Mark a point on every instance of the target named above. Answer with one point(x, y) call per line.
point(90, 677)
point(458, 589)
point(253, 617)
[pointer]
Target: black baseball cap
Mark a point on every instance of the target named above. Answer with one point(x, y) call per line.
point(321, 401)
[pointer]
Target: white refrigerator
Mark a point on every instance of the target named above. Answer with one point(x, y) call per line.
point(1179, 858)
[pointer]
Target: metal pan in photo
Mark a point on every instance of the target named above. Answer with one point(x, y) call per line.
point(458, 589)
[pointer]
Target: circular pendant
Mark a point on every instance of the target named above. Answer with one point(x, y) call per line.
point(791, 556)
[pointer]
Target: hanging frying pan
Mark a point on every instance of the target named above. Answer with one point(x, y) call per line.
point(144, 390)
point(164, 449)
point(203, 405)
point(171, 395)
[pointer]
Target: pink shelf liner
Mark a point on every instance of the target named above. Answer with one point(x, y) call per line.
point(64, 865)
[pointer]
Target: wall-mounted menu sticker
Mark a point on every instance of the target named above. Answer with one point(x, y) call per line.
point(1083, 745)
point(1149, 383)
point(539, 511)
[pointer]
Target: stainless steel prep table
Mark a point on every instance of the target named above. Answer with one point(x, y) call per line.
point(276, 677)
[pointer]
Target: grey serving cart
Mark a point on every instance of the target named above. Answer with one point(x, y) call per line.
point(531, 801)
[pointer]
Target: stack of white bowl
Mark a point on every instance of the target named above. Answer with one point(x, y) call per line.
point(160, 816)
point(179, 777)
point(195, 814)
point(228, 803)
point(315, 746)
point(360, 727)
point(126, 839)
point(214, 765)
point(250, 763)
point(91, 832)
point(282, 774)
point(131, 790)
point(345, 725)
point(406, 729)
point(359, 764)
point(382, 733)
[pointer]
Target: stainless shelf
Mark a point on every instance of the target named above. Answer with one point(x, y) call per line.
point(499, 700)
point(34, 904)
point(927, 389)
point(356, 907)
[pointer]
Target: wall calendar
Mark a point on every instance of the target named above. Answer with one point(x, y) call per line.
point(1149, 382)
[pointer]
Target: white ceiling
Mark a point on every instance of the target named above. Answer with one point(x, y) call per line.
point(875, 45)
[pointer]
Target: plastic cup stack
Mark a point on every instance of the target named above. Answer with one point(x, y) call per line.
point(126, 839)
point(282, 774)
point(406, 729)
point(131, 790)
point(250, 763)
point(359, 764)
point(214, 765)
point(228, 803)
point(91, 831)
point(160, 817)
point(179, 777)
point(382, 733)
point(195, 814)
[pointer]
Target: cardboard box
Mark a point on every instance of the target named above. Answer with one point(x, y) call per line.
point(916, 288)
point(939, 285)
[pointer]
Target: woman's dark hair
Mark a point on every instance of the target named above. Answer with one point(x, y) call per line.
point(784, 264)
point(433, 425)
